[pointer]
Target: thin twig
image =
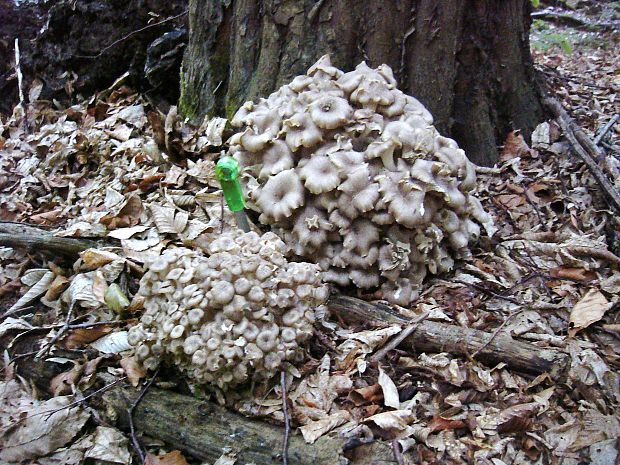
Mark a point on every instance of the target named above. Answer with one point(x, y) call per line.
point(398, 455)
point(72, 404)
point(17, 311)
point(132, 33)
point(287, 418)
point(489, 292)
point(130, 410)
point(400, 337)
point(494, 335)
point(599, 137)
point(585, 149)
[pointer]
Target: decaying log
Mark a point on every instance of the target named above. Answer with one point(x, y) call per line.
point(35, 239)
point(431, 336)
point(585, 149)
point(205, 431)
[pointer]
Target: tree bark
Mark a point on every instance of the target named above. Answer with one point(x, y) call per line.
point(205, 431)
point(33, 239)
point(431, 336)
point(468, 61)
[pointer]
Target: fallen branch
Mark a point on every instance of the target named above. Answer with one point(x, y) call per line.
point(603, 132)
point(574, 21)
point(431, 336)
point(33, 239)
point(205, 430)
point(585, 149)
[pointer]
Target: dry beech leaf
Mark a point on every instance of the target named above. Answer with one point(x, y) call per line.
point(515, 146)
point(576, 274)
point(393, 422)
point(226, 459)
point(439, 423)
point(588, 310)
point(56, 288)
point(100, 287)
point(64, 383)
point(112, 343)
point(96, 258)
point(110, 445)
point(171, 458)
point(126, 233)
point(390, 392)
point(79, 337)
point(366, 395)
point(134, 371)
point(35, 291)
point(166, 220)
point(13, 324)
point(315, 429)
point(46, 427)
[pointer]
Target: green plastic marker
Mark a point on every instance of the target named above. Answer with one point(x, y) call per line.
point(227, 172)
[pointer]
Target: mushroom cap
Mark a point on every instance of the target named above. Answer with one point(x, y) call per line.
point(351, 160)
point(281, 195)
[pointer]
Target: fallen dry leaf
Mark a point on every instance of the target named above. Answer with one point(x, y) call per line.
point(515, 146)
point(171, 458)
point(47, 426)
point(64, 383)
point(576, 274)
point(366, 395)
point(96, 258)
point(134, 370)
point(390, 392)
point(314, 430)
point(588, 310)
point(110, 445)
point(439, 423)
point(78, 338)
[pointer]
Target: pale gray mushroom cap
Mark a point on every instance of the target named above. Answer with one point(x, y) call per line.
point(378, 197)
point(223, 331)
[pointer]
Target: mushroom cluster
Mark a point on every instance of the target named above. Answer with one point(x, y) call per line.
point(237, 313)
point(351, 173)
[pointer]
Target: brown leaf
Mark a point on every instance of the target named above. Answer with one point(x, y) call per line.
point(96, 258)
point(157, 126)
point(129, 215)
point(509, 201)
point(78, 338)
point(588, 310)
point(576, 274)
point(439, 423)
point(515, 146)
point(64, 383)
point(90, 372)
point(171, 458)
point(369, 394)
point(134, 371)
point(56, 288)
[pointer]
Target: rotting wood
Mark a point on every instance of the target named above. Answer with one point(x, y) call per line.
point(34, 239)
point(585, 149)
point(431, 336)
point(205, 431)
point(574, 21)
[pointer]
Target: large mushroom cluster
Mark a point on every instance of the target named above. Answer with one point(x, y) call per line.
point(238, 313)
point(351, 173)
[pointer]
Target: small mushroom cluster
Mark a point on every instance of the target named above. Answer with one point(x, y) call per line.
point(351, 173)
point(236, 314)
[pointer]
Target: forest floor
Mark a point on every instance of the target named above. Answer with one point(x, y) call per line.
point(116, 169)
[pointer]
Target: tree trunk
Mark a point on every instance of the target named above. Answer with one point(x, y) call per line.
point(468, 61)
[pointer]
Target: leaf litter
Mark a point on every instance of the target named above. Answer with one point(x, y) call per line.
point(115, 168)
